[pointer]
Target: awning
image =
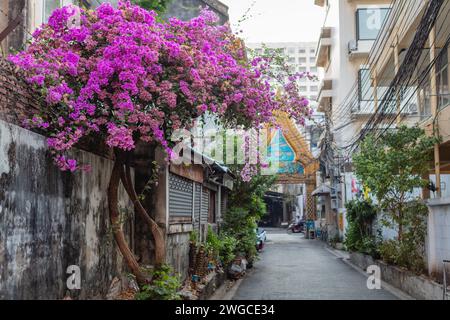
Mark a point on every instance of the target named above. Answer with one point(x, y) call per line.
point(321, 191)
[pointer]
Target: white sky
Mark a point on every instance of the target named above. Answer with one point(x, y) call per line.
point(277, 20)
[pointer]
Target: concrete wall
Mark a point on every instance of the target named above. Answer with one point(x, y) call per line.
point(438, 241)
point(50, 220)
point(418, 287)
point(178, 248)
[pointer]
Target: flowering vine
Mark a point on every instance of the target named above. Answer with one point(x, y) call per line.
point(126, 76)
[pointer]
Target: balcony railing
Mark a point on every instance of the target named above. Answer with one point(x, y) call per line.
point(323, 50)
point(325, 95)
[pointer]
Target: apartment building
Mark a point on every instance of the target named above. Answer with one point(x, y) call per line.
point(414, 48)
point(300, 57)
point(347, 37)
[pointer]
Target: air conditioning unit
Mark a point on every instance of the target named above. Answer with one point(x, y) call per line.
point(412, 108)
point(352, 46)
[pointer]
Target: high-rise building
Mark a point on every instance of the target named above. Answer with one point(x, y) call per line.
point(301, 57)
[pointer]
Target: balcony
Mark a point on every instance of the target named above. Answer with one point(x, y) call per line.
point(325, 96)
point(319, 3)
point(364, 109)
point(369, 22)
point(359, 49)
point(323, 50)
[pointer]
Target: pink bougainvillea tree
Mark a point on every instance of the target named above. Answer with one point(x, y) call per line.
point(124, 76)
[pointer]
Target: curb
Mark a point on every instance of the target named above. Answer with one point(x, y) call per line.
point(386, 286)
point(225, 292)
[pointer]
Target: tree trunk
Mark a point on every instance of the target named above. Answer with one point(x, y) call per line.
point(116, 224)
point(400, 222)
point(157, 231)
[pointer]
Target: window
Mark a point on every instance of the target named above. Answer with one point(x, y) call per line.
point(291, 60)
point(301, 60)
point(303, 88)
point(313, 69)
point(314, 88)
point(369, 22)
point(365, 90)
point(291, 51)
point(302, 69)
point(312, 51)
point(50, 6)
point(312, 60)
point(301, 51)
point(442, 75)
point(96, 3)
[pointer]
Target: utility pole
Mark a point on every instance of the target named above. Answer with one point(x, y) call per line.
point(434, 109)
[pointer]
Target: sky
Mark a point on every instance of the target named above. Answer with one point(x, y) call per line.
point(276, 20)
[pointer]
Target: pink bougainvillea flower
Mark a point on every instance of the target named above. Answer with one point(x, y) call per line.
point(124, 75)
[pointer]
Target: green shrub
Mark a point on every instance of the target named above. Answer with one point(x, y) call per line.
point(359, 237)
point(193, 237)
point(164, 286)
point(389, 251)
point(227, 249)
point(221, 247)
point(213, 244)
point(241, 225)
point(409, 250)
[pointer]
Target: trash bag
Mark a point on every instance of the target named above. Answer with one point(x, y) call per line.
point(237, 268)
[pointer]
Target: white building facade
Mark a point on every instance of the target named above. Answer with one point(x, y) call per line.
point(347, 37)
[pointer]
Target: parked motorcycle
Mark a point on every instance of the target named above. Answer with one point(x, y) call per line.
point(295, 227)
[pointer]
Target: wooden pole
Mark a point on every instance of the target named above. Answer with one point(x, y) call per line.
point(434, 108)
point(375, 91)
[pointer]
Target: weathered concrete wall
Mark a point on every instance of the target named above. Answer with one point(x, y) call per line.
point(178, 248)
point(418, 287)
point(438, 237)
point(50, 220)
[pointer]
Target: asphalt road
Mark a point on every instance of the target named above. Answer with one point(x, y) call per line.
point(293, 268)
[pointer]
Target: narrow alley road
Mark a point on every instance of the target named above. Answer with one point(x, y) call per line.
point(291, 267)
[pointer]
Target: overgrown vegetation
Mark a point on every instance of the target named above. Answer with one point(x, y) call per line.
point(392, 168)
point(409, 252)
point(221, 247)
point(164, 285)
point(159, 6)
point(247, 207)
point(361, 215)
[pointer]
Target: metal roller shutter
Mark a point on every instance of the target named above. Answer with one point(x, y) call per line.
point(205, 206)
point(180, 196)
